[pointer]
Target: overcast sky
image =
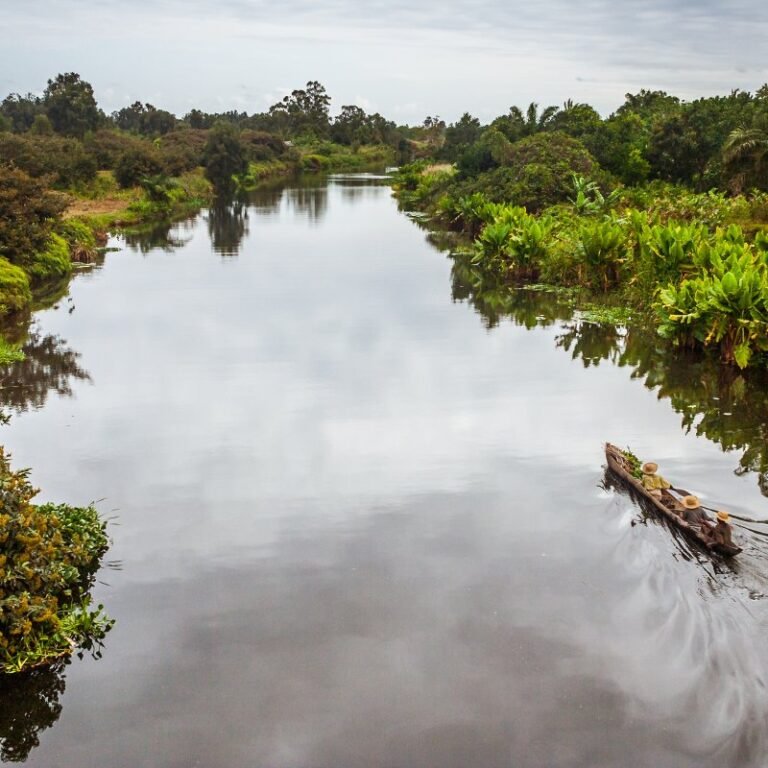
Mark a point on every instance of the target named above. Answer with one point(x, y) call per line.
point(405, 60)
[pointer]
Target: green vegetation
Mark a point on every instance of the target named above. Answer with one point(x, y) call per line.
point(49, 556)
point(69, 173)
point(567, 198)
point(15, 294)
point(10, 353)
point(634, 463)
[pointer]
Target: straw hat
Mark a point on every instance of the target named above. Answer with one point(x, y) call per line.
point(691, 502)
point(723, 516)
point(649, 467)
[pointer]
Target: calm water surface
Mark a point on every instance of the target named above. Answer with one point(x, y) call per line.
point(361, 523)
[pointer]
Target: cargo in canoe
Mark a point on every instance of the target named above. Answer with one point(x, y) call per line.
point(668, 506)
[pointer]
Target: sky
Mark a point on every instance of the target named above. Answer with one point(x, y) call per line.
point(405, 60)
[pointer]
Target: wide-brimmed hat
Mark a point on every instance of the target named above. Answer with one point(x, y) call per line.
point(691, 502)
point(724, 516)
point(649, 467)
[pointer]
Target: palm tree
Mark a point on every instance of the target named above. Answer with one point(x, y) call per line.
point(745, 153)
point(532, 122)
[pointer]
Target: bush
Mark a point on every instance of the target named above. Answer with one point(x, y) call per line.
point(535, 172)
point(14, 288)
point(513, 244)
point(28, 213)
point(137, 164)
point(600, 252)
point(49, 554)
point(315, 163)
point(724, 304)
point(108, 146)
point(262, 146)
point(224, 158)
point(53, 262)
point(64, 161)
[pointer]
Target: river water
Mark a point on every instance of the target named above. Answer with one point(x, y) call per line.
point(361, 514)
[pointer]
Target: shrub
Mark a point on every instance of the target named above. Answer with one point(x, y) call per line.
point(49, 552)
point(513, 244)
point(535, 172)
point(262, 146)
point(314, 163)
point(224, 158)
point(136, 164)
point(600, 252)
point(28, 212)
point(724, 305)
point(108, 146)
point(64, 161)
point(53, 262)
point(661, 253)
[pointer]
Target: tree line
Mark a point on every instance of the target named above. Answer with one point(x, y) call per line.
point(68, 107)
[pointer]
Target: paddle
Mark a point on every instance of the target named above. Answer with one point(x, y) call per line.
point(712, 509)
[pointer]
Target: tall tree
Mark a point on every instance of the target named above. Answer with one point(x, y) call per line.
point(224, 158)
point(70, 105)
point(21, 111)
point(304, 112)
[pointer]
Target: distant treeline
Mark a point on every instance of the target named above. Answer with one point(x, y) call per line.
point(68, 108)
point(715, 142)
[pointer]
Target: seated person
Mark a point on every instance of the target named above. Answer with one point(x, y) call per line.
point(694, 515)
point(652, 482)
point(722, 532)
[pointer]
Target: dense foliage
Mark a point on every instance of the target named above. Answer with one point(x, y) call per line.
point(49, 554)
point(682, 255)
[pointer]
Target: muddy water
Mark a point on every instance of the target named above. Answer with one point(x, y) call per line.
point(362, 517)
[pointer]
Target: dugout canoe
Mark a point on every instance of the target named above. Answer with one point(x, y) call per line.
point(668, 506)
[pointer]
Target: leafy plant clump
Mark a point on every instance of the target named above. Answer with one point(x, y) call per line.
point(10, 353)
point(50, 554)
point(635, 464)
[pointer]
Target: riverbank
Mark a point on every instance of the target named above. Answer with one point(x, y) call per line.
point(694, 267)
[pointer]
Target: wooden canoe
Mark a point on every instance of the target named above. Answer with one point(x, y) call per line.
point(668, 506)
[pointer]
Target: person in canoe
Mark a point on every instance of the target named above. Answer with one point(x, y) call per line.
point(723, 530)
point(653, 482)
point(695, 515)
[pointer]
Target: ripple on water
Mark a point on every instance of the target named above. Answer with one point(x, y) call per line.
point(688, 649)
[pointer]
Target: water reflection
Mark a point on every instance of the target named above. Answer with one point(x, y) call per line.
point(356, 528)
point(29, 704)
point(592, 342)
point(309, 202)
point(227, 226)
point(49, 365)
point(721, 403)
point(166, 236)
point(494, 302)
point(265, 201)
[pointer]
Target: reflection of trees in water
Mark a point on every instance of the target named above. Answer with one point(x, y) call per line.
point(720, 403)
point(29, 703)
point(494, 301)
point(311, 202)
point(227, 226)
point(164, 235)
point(265, 200)
point(49, 364)
point(591, 342)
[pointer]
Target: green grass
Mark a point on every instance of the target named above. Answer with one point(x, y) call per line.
point(15, 294)
point(10, 353)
